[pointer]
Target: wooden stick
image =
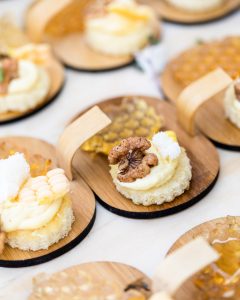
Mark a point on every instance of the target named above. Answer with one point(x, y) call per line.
point(196, 94)
point(76, 134)
point(39, 16)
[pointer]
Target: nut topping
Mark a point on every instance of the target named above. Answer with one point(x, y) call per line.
point(8, 72)
point(132, 159)
point(237, 90)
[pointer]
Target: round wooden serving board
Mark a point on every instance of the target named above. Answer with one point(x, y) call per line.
point(207, 230)
point(210, 118)
point(120, 275)
point(56, 74)
point(84, 207)
point(74, 52)
point(174, 14)
point(203, 156)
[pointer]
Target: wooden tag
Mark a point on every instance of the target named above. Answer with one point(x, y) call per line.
point(76, 134)
point(197, 93)
point(182, 264)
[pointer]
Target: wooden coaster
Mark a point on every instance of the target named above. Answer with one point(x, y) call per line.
point(203, 156)
point(71, 49)
point(207, 230)
point(84, 207)
point(56, 74)
point(174, 14)
point(117, 274)
point(74, 52)
point(210, 118)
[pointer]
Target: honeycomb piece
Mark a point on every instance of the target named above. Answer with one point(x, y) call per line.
point(133, 117)
point(39, 165)
point(221, 279)
point(68, 20)
point(198, 61)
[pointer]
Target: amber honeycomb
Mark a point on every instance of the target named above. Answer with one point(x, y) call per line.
point(39, 165)
point(221, 280)
point(199, 61)
point(69, 20)
point(133, 117)
point(76, 284)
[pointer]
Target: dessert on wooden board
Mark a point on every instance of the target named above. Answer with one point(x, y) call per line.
point(101, 35)
point(150, 171)
point(24, 81)
point(36, 212)
point(192, 11)
point(219, 280)
point(159, 180)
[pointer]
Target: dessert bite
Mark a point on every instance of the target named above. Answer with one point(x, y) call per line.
point(24, 82)
point(35, 212)
point(150, 171)
point(221, 279)
point(232, 103)
point(78, 283)
point(196, 5)
point(121, 27)
point(131, 117)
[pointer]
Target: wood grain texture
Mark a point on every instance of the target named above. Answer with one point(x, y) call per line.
point(188, 291)
point(83, 207)
point(204, 159)
point(56, 73)
point(74, 52)
point(174, 14)
point(210, 118)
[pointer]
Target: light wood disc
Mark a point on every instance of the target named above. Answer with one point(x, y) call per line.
point(174, 14)
point(73, 51)
point(84, 208)
point(56, 74)
point(119, 275)
point(203, 156)
point(210, 119)
point(207, 230)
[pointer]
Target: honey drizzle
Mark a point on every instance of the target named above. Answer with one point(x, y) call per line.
point(221, 280)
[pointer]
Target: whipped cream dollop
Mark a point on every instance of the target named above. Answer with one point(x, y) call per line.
point(14, 171)
point(34, 201)
point(123, 29)
point(165, 146)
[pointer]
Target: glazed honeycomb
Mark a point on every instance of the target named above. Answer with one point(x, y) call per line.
point(221, 280)
point(69, 20)
point(77, 284)
point(133, 117)
point(39, 165)
point(199, 61)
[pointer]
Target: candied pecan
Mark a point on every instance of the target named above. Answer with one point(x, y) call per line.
point(2, 241)
point(132, 159)
point(9, 67)
point(237, 90)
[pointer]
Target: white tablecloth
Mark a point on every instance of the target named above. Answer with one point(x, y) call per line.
point(141, 243)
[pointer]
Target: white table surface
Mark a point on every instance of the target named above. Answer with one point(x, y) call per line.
point(141, 243)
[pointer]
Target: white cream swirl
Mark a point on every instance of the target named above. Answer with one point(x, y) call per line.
point(37, 203)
